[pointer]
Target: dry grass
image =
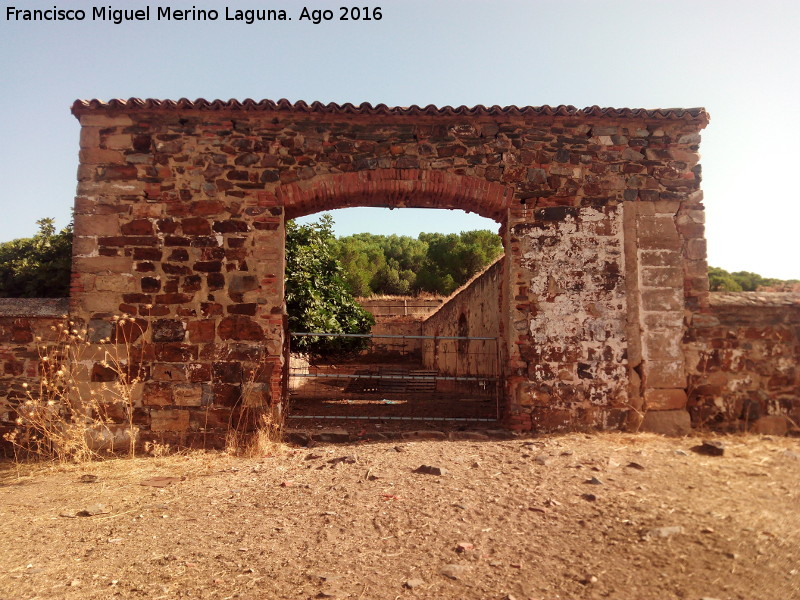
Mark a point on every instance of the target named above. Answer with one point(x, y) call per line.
point(66, 418)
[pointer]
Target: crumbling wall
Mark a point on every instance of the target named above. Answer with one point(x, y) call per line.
point(743, 359)
point(472, 311)
point(571, 293)
point(25, 325)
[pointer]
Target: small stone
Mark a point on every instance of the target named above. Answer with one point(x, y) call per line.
point(464, 547)
point(430, 470)
point(413, 583)
point(312, 456)
point(287, 484)
point(87, 478)
point(454, 571)
point(93, 510)
point(589, 497)
point(538, 509)
point(543, 460)
point(75, 583)
point(635, 465)
point(710, 448)
point(663, 532)
point(349, 460)
point(593, 481)
point(681, 453)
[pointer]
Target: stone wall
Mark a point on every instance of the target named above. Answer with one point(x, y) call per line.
point(179, 222)
point(472, 311)
point(743, 360)
point(25, 324)
point(401, 306)
point(399, 315)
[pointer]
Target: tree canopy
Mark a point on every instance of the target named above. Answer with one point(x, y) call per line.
point(38, 266)
point(720, 280)
point(433, 262)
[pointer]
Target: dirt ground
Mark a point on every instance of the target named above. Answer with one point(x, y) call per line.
point(572, 516)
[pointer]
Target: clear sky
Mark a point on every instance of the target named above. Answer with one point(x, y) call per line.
point(738, 59)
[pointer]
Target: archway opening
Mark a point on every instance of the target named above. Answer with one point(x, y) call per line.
point(431, 281)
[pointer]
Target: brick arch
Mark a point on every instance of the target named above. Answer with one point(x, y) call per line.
point(396, 188)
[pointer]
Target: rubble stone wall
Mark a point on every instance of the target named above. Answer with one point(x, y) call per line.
point(743, 359)
point(25, 324)
point(179, 223)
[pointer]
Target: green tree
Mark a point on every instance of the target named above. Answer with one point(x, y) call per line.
point(317, 298)
point(453, 259)
point(434, 262)
point(719, 280)
point(39, 266)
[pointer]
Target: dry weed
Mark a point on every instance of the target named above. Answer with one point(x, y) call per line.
point(68, 419)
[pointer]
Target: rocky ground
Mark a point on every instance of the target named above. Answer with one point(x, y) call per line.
point(573, 516)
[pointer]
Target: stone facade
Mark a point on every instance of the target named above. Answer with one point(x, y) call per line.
point(179, 222)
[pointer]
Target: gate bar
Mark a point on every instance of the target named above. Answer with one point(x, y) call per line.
point(406, 337)
point(395, 377)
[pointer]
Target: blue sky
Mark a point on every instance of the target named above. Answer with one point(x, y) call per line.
point(738, 59)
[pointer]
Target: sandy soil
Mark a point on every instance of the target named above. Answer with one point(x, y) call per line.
point(574, 516)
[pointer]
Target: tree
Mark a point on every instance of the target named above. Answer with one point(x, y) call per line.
point(39, 266)
point(719, 280)
point(317, 298)
point(434, 262)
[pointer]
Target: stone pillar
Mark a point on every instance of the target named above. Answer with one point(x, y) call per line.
point(162, 239)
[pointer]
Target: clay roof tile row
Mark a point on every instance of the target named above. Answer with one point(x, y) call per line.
point(82, 106)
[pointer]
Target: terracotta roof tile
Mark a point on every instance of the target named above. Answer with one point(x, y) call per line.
point(689, 114)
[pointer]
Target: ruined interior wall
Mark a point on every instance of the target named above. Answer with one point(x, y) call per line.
point(404, 326)
point(399, 315)
point(25, 325)
point(743, 359)
point(401, 306)
point(472, 311)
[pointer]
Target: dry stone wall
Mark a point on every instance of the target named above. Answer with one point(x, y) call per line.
point(179, 223)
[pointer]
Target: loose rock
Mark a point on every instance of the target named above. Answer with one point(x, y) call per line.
point(454, 571)
point(430, 470)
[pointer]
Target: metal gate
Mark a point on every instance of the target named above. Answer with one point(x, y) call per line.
point(399, 377)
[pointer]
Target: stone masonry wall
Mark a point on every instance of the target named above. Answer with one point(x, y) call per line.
point(179, 222)
point(743, 358)
point(25, 324)
point(472, 311)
